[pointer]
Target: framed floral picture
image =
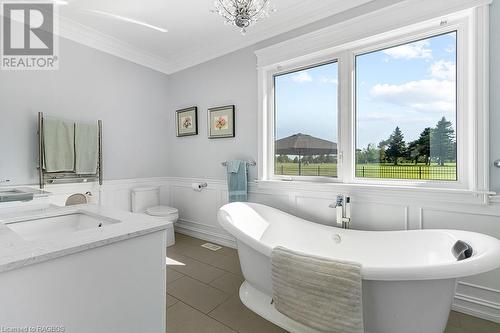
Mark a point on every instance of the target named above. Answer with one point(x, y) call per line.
point(187, 121)
point(221, 122)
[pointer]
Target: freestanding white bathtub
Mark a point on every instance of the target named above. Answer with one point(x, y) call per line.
point(409, 277)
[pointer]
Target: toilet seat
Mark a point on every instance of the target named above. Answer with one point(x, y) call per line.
point(146, 201)
point(162, 211)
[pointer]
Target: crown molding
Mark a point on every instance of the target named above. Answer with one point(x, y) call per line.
point(90, 37)
point(82, 34)
point(197, 55)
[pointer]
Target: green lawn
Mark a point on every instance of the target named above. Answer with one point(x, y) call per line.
point(387, 171)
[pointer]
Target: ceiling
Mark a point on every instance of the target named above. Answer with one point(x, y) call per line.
point(194, 35)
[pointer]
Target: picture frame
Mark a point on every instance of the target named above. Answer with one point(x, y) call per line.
point(221, 122)
point(186, 121)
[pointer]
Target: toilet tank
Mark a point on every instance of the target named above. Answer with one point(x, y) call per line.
point(145, 197)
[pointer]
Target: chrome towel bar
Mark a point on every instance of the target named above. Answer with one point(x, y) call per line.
point(66, 177)
point(250, 163)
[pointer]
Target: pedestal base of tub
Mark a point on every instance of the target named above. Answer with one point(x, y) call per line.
point(260, 303)
point(389, 306)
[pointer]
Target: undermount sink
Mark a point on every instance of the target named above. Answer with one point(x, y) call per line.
point(44, 227)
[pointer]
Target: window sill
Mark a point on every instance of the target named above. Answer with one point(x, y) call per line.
point(408, 191)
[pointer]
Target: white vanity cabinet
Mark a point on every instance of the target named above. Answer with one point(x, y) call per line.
point(108, 278)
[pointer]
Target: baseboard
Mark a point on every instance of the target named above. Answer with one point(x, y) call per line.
point(204, 232)
point(476, 308)
point(477, 301)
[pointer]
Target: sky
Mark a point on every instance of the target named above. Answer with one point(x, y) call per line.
point(411, 86)
point(306, 102)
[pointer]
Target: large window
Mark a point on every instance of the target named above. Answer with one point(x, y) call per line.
point(306, 121)
point(406, 107)
point(406, 111)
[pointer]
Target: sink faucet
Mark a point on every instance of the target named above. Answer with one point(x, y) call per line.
point(343, 208)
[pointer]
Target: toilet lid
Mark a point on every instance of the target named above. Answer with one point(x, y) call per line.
point(161, 211)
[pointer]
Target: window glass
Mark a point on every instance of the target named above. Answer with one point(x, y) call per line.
point(306, 122)
point(406, 111)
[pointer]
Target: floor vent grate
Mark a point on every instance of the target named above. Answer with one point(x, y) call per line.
point(211, 247)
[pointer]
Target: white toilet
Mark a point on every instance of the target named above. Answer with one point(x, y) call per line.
point(146, 200)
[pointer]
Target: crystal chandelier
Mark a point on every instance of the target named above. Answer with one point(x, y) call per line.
point(242, 13)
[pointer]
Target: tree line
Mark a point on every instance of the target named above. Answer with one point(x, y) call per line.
point(434, 145)
point(307, 159)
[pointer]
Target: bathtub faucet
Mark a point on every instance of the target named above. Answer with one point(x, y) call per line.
point(343, 208)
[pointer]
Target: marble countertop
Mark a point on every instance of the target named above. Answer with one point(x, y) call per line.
point(16, 252)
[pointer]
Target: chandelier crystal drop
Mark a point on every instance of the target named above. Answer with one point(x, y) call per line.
point(242, 13)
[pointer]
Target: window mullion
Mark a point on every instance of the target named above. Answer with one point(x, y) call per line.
point(346, 124)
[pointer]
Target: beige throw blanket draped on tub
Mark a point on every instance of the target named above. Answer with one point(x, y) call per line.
point(318, 292)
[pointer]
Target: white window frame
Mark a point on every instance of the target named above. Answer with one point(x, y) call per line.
point(282, 70)
point(462, 132)
point(472, 94)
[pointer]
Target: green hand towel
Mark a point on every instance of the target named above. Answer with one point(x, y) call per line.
point(58, 143)
point(86, 148)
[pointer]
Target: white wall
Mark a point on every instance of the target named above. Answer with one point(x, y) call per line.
point(131, 100)
point(228, 80)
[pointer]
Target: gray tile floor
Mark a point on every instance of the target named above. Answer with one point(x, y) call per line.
point(202, 295)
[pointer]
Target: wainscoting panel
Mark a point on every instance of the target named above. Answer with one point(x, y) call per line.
point(197, 207)
point(114, 193)
point(486, 223)
point(278, 201)
point(379, 216)
point(489, 295)
point(198, 210)
point(477, 300)
point(118, 198)
point(61, 192)
point(315, 209)
point(476, 307)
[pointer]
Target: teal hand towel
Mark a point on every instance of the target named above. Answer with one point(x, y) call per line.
point(237, 181)
point(58, 145)
point(86, 148)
